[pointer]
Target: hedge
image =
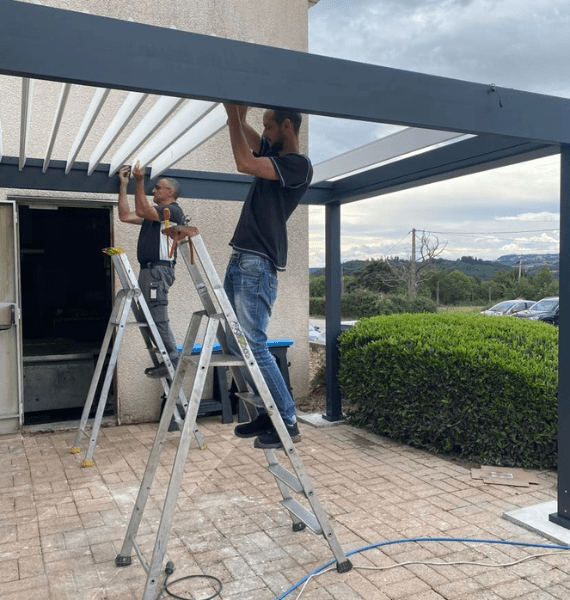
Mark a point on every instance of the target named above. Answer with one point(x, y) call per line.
point(477, 387)
point(364, 303)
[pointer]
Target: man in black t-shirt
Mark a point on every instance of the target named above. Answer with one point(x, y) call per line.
point(156, 266)
point(282, 176)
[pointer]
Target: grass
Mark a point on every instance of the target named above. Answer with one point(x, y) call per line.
point(462, 309)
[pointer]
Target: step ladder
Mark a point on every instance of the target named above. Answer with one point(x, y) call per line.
point(218, 318)
point(128, 298)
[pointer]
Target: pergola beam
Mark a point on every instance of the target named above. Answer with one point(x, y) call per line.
point(156, 116)
point(465, 157)
point(48, 43)
point(193, 184)
point(387, 148)
point(201, 132)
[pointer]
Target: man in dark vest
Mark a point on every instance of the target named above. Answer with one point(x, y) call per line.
point(156, 266)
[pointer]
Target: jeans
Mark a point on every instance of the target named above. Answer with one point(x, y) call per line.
point(155, 283)
point(251, 286)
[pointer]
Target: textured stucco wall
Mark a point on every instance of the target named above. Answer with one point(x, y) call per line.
point(281, 23)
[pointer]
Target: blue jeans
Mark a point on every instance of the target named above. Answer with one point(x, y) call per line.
point(251, 286)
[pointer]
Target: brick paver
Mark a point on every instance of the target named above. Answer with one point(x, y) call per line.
point(61, 526)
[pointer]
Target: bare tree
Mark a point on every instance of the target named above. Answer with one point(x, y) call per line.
point(413, 272)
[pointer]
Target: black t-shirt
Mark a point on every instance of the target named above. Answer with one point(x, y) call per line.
point(152, 245)
point(262, 226)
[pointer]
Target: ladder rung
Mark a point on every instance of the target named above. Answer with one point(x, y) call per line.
point(139, 553)
point(304, 515)
point(252, 398)
point(286, 477)
point(219, 360)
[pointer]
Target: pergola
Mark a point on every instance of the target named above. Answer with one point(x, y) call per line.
point(461, 128)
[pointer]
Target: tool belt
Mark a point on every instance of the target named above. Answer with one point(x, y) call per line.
point(157, 263)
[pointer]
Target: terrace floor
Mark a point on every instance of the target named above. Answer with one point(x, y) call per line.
point(62, 525)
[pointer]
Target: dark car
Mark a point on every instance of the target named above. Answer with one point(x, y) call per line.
point(545, 308)
point(552, 319)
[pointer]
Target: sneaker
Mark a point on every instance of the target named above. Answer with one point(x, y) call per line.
point(271, 439)
point(157, 372)
point(254, 428)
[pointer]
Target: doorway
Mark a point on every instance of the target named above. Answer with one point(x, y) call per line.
point(66, 296)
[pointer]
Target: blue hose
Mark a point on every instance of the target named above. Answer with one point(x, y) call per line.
point(420, 539)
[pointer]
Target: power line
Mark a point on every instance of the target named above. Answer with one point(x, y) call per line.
point(483, 233)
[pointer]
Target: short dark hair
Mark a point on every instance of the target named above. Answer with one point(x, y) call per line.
point(295, 117)
point(173, 185)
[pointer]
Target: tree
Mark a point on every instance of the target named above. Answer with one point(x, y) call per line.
point(414, 272)
point(375, 275)
point(317, 286)
point(451, 286)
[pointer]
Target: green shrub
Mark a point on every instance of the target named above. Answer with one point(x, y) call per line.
point(482, 388)
point(317, 306)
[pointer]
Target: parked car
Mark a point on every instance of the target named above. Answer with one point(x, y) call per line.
point(552, 319)
point(315, 334)
point(508, 307)
point(547, 307)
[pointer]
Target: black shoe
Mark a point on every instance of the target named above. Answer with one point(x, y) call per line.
point(254, 428)
point(271, 439)
point(157, 372)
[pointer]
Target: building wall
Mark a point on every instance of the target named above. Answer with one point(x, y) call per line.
point(281, 23)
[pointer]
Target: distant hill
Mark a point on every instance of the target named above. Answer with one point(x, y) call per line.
point(532, 263)
point(474, 267)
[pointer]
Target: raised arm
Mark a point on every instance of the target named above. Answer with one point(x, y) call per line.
point(251, 135)
point(125, 213)
point(143, 207)
point(241, 137)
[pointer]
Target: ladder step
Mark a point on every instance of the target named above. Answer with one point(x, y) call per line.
point(304, 515)
point(219, 360)
point(286, 477)
point(252, 398)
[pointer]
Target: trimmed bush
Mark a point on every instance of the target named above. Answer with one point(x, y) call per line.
point(364, 303)
point(477, 387)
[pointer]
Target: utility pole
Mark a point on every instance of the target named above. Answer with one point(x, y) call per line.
point(412, 279)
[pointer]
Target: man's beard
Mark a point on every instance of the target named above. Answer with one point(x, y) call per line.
point(277, 145)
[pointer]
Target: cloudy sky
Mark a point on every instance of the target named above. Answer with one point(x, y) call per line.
point(521, 44)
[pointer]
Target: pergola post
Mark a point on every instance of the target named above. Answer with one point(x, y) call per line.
point(562, 517)
point(333, 293)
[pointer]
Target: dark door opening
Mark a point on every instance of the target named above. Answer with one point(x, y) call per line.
point(66, 289)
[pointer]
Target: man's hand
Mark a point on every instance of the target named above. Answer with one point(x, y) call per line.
point(124, 174)
point(138, 173)
point(179, 232)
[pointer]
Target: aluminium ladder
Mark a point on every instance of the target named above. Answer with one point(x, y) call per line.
point(219, 322)
point(129, 297)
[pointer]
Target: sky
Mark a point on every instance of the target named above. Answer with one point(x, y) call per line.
point(520, 44)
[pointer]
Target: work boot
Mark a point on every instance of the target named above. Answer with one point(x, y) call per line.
point(254, 428)
point(157, 372)
point(271, 439)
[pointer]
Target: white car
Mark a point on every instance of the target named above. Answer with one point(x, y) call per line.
point(508, 307)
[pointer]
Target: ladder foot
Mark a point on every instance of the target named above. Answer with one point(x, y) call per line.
point(298, 526)
point(123, 561)
point(344, 567)
point(75, 450)
point(87, 463)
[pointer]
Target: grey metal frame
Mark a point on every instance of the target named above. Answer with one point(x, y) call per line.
point(510, 126)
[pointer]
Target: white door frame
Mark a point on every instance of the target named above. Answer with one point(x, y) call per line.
point(11, 355)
